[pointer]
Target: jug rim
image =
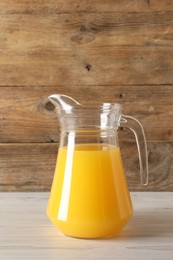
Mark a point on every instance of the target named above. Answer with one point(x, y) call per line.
point(105, 107)
point(68, 104)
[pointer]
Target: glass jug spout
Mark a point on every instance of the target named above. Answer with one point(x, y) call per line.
point(64, 102)
point(74, 116)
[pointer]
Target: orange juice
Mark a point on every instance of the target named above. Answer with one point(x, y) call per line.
point(89, 196)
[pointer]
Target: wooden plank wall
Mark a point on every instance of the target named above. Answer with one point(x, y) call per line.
point(113, 51)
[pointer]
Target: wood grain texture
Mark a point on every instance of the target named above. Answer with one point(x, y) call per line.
point(89, 6)
point(27, 167)
point(26, 232)
point(72, 6)
point(157, 5)
point(30, 167)
point(123, 49)
point(27, 115)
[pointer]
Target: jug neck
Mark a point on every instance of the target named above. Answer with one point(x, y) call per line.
point(85, 118)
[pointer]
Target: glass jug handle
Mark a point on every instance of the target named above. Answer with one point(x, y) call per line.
point(135, 126)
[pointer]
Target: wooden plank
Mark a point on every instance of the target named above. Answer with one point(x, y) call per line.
point(122, 49)
point(26, 231)
point(27, 167)
point(77, 6)
point(27, 115)
point(157, 5)
point(109, 66)
point(65, 30)
point(71, 6)
point(30, 167)
point(160, 156)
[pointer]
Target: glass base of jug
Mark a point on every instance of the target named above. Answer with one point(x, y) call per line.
point(94, 231)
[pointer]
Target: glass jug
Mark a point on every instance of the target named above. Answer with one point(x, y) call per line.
point(89, 197)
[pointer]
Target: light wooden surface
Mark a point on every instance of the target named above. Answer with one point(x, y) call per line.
point(26, 233)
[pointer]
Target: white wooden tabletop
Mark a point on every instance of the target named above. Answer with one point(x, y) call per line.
point(26, 233)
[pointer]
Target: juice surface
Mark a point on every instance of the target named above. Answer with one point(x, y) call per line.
point(89, 196)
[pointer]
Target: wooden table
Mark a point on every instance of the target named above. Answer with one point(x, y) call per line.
point(26, 233)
